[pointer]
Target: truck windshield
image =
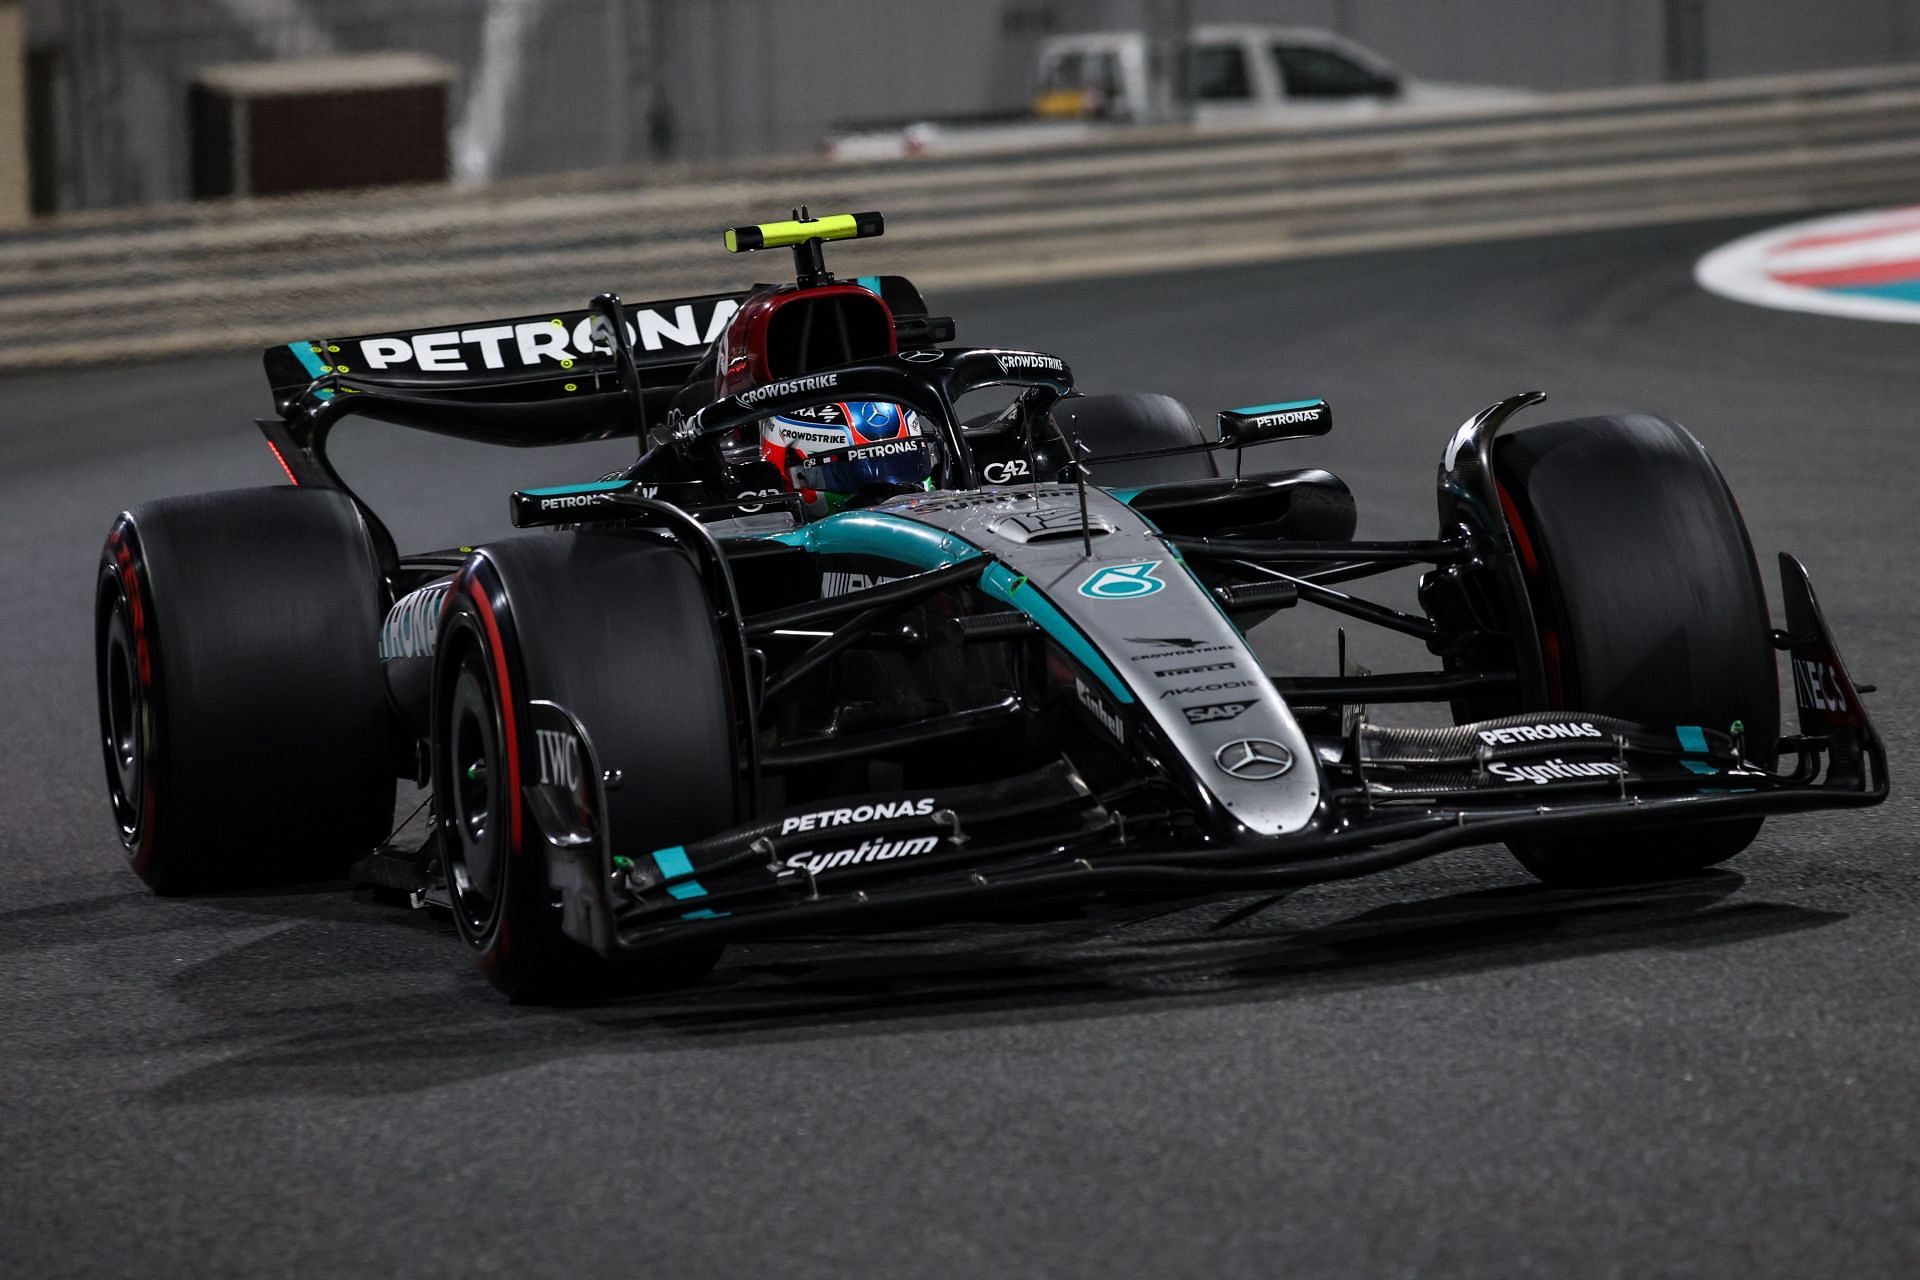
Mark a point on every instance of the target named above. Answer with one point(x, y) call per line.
point(1308, 72)
point(1218, 73)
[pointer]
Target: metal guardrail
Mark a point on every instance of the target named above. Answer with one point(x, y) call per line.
point(183, 279)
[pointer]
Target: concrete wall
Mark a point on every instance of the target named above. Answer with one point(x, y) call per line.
point(747, 77)
point(13, 116)
point(881, 59)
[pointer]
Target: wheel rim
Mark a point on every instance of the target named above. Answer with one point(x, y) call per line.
point(123, 718)
point(476, 862)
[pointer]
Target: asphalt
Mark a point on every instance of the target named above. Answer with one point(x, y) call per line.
point(1445, 1071)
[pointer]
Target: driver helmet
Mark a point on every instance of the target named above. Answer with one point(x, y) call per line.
point(849, 454)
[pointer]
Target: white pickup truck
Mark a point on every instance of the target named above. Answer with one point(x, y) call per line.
point(1096, 83)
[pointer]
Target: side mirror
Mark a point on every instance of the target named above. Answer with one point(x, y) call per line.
point(1287, 420)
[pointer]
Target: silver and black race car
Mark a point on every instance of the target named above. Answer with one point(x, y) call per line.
point(1001, 656)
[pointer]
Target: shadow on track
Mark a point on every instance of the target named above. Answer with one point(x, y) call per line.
point(288, 1011)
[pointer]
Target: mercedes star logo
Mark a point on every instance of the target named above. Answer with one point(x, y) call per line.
point(923, 356)
point(1253, 759)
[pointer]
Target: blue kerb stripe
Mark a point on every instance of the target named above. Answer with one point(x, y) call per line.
point(1898, 290)
point(1692, 739)
point(673, 862)
point(1001, 583)
point(591, 486)
point(870, 283)
point(1278, 406)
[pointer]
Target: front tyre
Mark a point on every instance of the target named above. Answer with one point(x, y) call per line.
point(1648, 606)
point(620, 633)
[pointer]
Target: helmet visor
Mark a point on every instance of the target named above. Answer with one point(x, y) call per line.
point(890, 466)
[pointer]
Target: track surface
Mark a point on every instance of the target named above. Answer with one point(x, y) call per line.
point(1440, 1072)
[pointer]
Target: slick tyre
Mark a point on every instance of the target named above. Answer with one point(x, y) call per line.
point(242, 715)
point(1648, 606)
point(1132, 424)
point(620, 633)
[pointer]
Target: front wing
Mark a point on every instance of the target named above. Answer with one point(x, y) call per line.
point(1392, 797)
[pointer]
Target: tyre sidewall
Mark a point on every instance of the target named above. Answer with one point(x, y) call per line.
point(253, 616)
point(529, 606)
point(1648, 606)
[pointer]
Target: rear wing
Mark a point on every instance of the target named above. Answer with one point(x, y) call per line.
point(548, 356)
point(536, 357)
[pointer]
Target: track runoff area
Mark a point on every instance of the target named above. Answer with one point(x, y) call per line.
point(1446, 1071)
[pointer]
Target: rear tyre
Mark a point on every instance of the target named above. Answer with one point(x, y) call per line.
point(1649, 607)
point(242, 713)
point(1135, 423)
point(620, 633)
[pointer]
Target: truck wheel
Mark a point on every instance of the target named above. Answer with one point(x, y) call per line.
point(242, 713)
point(619, 633)
point(1131, 423)
point(1649, 607)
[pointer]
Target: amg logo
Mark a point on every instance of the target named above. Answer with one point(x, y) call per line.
point(840, 584)
point(867, 851)
point(812, 382)
point(1213, 712)
point(860, 813)
point(1541, 774)
point(559, 758)
point(1194, 671)
point(1010, 361)
point(1108, 718)
point(1537, 733)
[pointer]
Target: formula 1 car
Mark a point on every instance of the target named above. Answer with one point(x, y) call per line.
point(1007, 662)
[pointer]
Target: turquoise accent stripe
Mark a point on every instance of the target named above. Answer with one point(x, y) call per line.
point(1278, 406)
point(590, 486)
point(1128, 495)
point(1002, 583)
point(311, 362)
point(875, 533)
point(923, 547)
point(672, 863)
point(1694, 739)
point(870, 283)
point(704, 913)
